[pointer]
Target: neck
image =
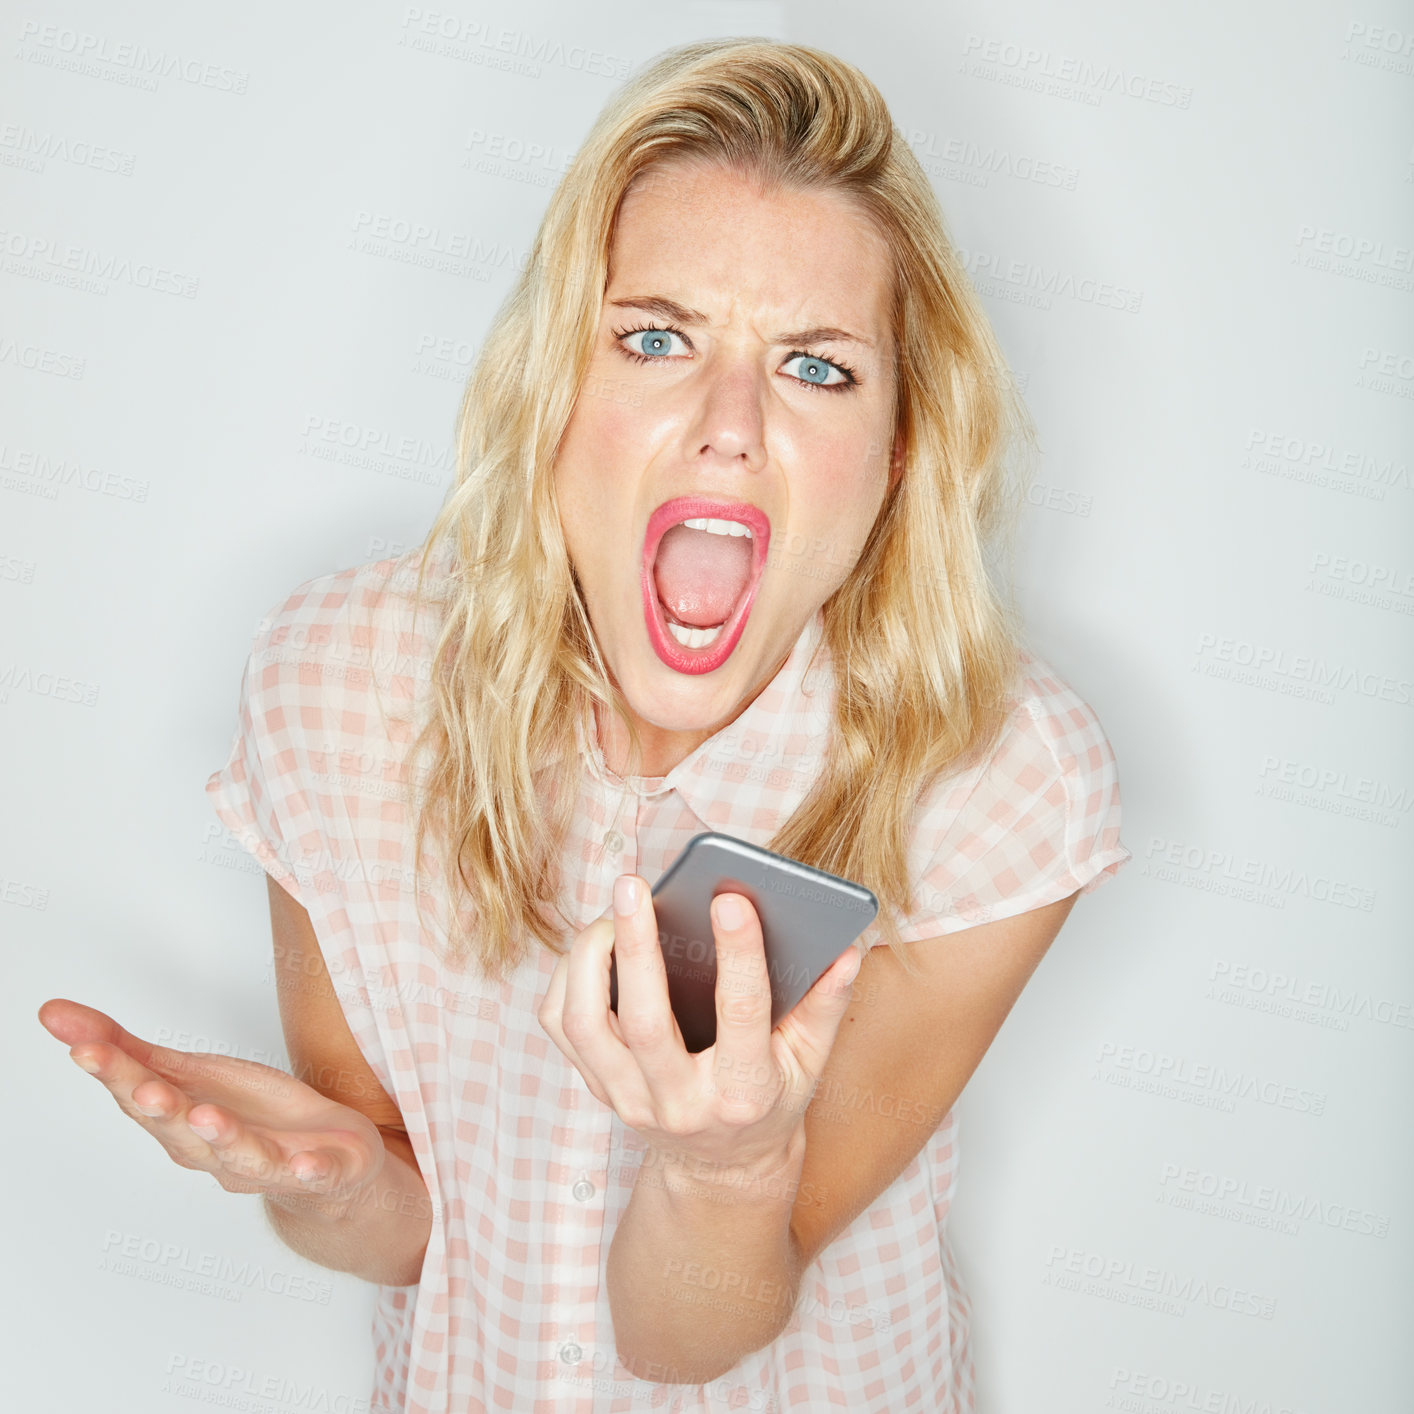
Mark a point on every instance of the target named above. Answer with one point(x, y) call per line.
point(662, 749)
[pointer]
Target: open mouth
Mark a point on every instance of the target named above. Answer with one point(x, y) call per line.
point(702, 563)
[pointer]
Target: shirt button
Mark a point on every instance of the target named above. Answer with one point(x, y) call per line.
point(614, 842)
point(583, 1190)
point(570, 1353)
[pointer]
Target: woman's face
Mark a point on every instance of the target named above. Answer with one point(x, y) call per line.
point(742, 374)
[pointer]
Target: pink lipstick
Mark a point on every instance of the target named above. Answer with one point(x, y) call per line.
point(710, 656)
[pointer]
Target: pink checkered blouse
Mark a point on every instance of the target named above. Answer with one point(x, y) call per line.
point(527, 1172)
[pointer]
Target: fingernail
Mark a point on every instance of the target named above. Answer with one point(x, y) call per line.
point(625, 895)
point(85, 1063)
point(204, 1131)
point(729, 911)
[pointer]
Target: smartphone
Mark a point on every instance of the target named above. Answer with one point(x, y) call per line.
point(808, 918)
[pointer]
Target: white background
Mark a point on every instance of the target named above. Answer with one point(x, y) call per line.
point(1192, 228)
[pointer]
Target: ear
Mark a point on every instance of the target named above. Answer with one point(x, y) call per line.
point(896, 460)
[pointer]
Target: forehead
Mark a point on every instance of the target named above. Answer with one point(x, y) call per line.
point(716, 239)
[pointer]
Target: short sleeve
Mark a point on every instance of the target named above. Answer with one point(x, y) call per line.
point(252, 791)
point(1037, 823)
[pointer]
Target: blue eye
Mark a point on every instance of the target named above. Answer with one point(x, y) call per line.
point(816, 370)
point(655, 343)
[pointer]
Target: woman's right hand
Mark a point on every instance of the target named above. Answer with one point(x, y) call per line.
point(262, 1131)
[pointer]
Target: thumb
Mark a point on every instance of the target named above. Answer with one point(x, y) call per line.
point(838, 978)
point(816, 1018)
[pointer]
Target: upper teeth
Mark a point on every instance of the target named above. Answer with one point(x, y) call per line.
point(718, 527)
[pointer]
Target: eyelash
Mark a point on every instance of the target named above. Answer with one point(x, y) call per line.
point(852, 378)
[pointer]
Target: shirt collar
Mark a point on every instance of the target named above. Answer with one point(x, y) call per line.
point(747, 779)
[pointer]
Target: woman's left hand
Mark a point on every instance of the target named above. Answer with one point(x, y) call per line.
point(740, 1102)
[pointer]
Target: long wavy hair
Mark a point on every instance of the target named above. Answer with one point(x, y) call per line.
point(923, 635)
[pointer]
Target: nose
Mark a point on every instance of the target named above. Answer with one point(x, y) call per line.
point(729, 424)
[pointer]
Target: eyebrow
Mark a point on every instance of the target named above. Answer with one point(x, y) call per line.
point(681, 314)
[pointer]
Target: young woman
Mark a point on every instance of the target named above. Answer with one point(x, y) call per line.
point(731, 465)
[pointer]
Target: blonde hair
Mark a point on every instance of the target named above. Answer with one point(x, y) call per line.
point(923, 645)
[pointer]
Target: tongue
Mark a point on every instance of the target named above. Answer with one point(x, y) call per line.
point(700, 576)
